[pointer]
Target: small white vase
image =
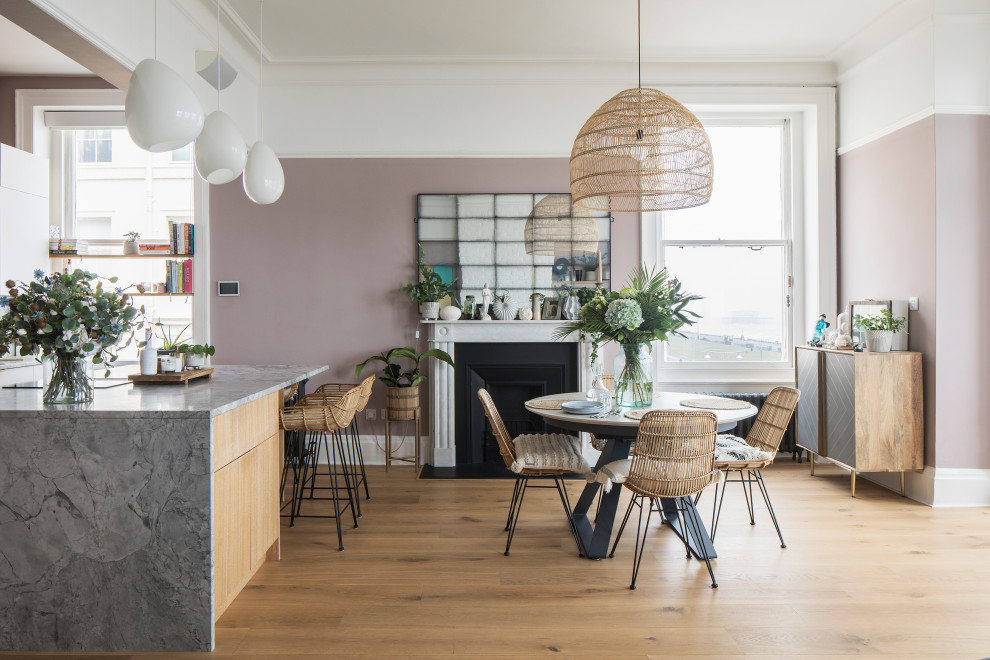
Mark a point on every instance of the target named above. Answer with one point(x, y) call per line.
point(879, 341)
point(431, 310)
point(450, 313)
point(171, 363)
point(149, 361)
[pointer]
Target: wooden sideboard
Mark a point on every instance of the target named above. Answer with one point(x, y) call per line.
point(861, 411)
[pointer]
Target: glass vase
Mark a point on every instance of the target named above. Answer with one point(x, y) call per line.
point(68, 378)
point(634, 376)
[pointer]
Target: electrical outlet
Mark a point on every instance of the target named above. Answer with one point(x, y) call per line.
point(417, 334)
point(913, 303)
point(371, 414)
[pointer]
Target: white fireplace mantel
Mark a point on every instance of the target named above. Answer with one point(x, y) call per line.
point(445, 334)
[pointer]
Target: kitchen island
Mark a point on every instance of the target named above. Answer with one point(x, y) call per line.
point(130, 523)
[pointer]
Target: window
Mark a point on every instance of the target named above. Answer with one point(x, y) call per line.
point(735, 251)
point(183, 154)
point(95, 146)
point(126, 189)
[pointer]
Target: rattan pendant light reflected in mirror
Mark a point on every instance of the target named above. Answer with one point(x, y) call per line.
point(556, 228)
point(641, 151)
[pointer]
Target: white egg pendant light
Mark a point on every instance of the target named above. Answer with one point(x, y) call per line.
point(161, 111)
point(263, 177)
point(220, 149)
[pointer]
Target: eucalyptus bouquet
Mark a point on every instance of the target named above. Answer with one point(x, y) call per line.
point(66, 318)
point(650, 308)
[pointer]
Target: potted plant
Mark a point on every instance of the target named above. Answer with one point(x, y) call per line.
point(403, 384)
point(130, 242)
point(196, 354)
point(880, 329)
point(168, 352)
point(429, 290)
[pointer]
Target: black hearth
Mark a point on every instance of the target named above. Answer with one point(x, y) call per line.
point(513, 373)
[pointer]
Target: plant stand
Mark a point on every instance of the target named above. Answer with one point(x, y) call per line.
point(403, 406)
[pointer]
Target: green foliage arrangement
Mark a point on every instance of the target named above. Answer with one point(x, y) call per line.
point(393, 374)
point(430, 287)
point(652, 307)
point(69, 314)
point(587, 293)
point(885, 320)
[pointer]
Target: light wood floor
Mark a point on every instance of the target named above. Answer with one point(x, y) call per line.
point(424, 575)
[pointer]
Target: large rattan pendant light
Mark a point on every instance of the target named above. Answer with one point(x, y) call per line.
point(556, 228)
point(264, 179)
point(641, 151)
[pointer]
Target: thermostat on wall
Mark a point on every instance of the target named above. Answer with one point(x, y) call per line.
point(228, 288)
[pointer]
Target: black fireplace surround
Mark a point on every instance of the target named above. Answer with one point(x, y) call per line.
point(512, 373)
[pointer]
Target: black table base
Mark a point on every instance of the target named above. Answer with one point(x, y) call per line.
point(596, 537)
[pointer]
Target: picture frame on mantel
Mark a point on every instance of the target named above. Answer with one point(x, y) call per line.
point(551, 308)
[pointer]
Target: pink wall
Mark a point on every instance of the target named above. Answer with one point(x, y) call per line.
point(962, 239)
point(8, 84)
point(886, 239)
point(320, 268)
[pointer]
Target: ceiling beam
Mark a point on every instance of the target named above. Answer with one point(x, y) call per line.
point(45, 27)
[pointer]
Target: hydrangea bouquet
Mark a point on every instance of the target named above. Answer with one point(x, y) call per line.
point(66, 318)
point(651, 308)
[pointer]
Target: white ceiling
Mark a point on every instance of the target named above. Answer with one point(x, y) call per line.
point(23, 54)
point(673, 30)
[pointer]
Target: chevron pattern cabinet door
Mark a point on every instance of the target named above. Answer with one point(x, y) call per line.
point(807, 364)
point(840, 408)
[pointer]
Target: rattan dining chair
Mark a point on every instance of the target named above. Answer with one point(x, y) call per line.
point(766, 433)
point(674, 458)
point(506, 446)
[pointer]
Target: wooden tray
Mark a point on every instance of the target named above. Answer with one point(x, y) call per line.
point(177, 377)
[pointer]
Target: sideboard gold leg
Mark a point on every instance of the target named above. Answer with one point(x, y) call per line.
point(853, 482)
point(902, 483)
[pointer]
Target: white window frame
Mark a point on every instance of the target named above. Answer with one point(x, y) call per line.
point(811, 111)
point(30, 106)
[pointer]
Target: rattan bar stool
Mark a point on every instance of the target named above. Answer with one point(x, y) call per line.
point(292, 443)
point(674, 458)
point(322, 426)
point(330, 393)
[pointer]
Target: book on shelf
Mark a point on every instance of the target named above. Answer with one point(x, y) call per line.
point(67, 246)
point(181, 237)
point(178, 276)
point(146, 248)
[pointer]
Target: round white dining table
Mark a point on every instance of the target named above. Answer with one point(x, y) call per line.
point(619, 430)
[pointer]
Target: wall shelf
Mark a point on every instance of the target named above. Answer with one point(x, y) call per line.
point(167, 255)
point(161, 295)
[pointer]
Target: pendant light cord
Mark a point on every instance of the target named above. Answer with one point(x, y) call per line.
point(218, 55)
point(639, 45)
point(156, 29)
point(261, 68)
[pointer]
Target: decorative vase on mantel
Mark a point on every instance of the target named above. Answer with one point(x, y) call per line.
point(634, 376)
point(572, 308)
point(68, 378)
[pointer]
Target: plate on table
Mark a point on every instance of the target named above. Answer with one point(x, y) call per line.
point(582, 407)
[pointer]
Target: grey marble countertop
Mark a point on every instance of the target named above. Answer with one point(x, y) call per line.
point(231, 386)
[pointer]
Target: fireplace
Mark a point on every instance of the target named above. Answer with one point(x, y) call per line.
point(516, 360)
point(512, 373)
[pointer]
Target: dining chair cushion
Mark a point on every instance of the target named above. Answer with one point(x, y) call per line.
point(729, 448)
point(616, 472)
point(549, 451)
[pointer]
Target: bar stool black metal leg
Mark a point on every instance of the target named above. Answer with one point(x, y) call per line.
point(360, 457)
point(334, 497)
point(343, 472)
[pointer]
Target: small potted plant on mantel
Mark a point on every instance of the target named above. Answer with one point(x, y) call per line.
point(402, 396)
point(196, 354)
point(429, 290)
point(880, 329)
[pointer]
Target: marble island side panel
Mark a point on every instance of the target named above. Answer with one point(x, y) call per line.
point(107, 516)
